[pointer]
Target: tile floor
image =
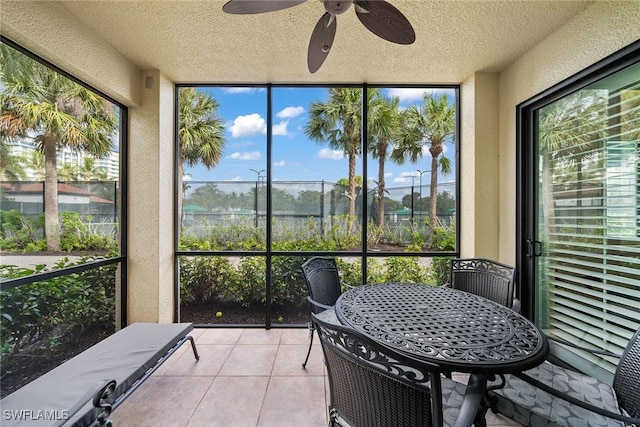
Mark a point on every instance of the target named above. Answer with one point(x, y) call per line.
point(245, 378)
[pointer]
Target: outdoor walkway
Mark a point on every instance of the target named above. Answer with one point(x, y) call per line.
point(245, 378)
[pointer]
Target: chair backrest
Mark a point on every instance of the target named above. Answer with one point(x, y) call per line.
point(489, 279)
point(371, 386)
point(626, 381)
point(323, 281)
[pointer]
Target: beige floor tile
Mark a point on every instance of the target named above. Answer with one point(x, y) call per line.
point(219, 335)
point(184, 348)
point(250, 360)
point(294, 401)
point(290, 357)
point(212, 357)
point(245, 378)
point(169, 403)
point(296, 336)
point(260, 336)
point(231, 402)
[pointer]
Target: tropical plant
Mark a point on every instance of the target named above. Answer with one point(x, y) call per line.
point(55, 112)
point(432, 124)
point(200, 132)
point(383, 116)
point(11, 166)
point(337, 122)
point(88, 171)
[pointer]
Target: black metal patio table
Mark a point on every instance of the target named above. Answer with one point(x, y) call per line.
point(459, 331)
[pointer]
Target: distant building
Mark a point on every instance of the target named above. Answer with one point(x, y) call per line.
point(110, 163)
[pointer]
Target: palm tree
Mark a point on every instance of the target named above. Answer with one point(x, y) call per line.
point(337, 122)
point(200, 133)
point(35, 165)
point(11, 167)
point(383, 116)
point(67, 172)
point(432, 124)
point(55, 112)
point(88, 171)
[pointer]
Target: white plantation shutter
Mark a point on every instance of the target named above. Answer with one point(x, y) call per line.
point(589, 222)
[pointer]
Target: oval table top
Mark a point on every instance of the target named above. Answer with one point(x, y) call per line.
point(457, 330)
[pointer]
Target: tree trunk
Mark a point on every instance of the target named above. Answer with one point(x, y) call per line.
point(51, 220)
point(381, 185)
point(352, 192)
point(180, 191)
point(433, 195)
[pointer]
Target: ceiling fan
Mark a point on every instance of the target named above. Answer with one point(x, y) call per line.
point(378, 16)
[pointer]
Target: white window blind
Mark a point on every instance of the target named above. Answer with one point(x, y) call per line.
point(589, 217)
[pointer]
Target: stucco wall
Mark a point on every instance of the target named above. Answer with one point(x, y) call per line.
point(602, 29)
point(75, 49)
point(479, 180)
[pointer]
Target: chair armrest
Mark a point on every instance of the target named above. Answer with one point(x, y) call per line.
point(317, 304)
point(590, 350)
point(517, 305)
point(523, 376)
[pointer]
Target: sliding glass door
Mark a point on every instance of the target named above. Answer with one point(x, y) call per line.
point(581, 216)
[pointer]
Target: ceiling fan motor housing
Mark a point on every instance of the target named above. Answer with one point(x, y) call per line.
point(336, 7)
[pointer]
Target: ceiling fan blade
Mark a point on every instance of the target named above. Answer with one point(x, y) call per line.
point(247, 7)
point(384, 20)
point(321, 41)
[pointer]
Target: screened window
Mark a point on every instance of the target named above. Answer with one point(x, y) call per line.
point(61, 198)
point(274, 174)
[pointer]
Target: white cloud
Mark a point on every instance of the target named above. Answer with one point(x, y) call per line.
point(280, 129)
point(401, 179)
point(290, 112)
point(279, 164)
point(237, 178)
point(242, 89)
point(186, 177)
point(388, 174)
point(247, 155)
point(327, 153)
point(250, 125)
point(409, 94)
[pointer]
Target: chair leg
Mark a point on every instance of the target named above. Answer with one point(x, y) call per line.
point(311, 329)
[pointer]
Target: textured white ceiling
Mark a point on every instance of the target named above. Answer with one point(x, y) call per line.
point(193, 41)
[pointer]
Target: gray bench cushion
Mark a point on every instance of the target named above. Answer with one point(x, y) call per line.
point(530, 406)
point(124, 357)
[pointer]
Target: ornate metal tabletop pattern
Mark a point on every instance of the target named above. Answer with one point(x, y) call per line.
point(457, 330)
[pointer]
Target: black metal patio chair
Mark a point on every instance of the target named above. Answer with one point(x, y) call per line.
point(372, 386)
point(323, 285)
point(550, 395)
point(486, 278)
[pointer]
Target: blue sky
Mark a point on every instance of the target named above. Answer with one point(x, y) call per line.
point(294, 156)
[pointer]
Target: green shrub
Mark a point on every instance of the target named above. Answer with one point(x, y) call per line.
point(287, 281)
point(20, 234)
point(76, 233)
point(440, 269)
point(204, 277)
point(404, 269)
point(250, 286)
point(41, 315)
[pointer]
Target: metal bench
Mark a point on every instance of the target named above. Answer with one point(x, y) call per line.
point(84, 390)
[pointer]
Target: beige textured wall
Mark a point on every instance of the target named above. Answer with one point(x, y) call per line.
point(150, 266)
point(75, 48)
point(479, 186)
point(602, 29)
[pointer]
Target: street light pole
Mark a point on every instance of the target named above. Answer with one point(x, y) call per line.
point(256, 195)
point(421, 172)
point(413, 178)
